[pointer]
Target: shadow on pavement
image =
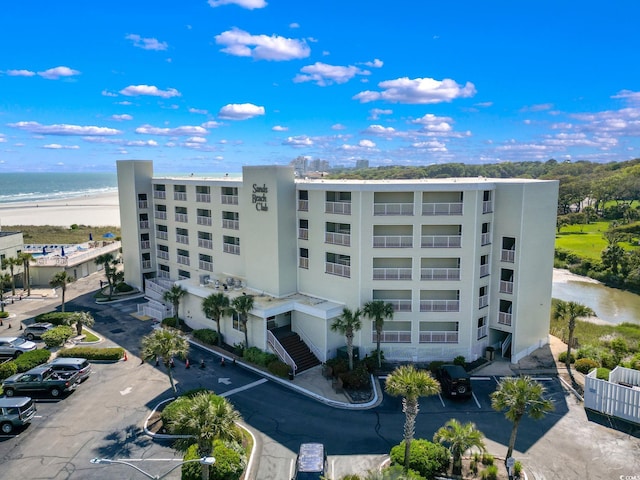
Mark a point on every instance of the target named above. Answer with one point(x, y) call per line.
point(618, 424)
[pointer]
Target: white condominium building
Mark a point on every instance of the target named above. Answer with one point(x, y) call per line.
point(466, 263)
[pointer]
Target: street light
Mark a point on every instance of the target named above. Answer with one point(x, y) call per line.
point(203, 461)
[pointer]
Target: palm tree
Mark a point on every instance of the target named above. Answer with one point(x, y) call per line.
point(26, 259)
point(520, 396)
point(460, 438)
point(83, 319)
point(378, 311)
point(5, 280)
point(110, 264)
point(166, 345)
point(11, 263)
point(410, 384)
point(570, 311)
point(347, 324)
point(173, 296)
point(205, 417)
point(215, 306)
point(61, 280)
point(242, 305)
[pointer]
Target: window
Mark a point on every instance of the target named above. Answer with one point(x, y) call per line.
point(236, 323)
point(482, 327)
point(183, 274)
point(483, 294)
point(304, 258)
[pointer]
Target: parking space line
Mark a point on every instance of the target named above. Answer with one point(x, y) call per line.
point(245, 387)
point(480, 378)
point(543, 379)
point(441, 400)
point(476, 399)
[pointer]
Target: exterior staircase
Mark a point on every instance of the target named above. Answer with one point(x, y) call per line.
point(299, 351)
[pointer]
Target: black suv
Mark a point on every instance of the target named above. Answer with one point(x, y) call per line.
point(454, 380)
point(35, 330)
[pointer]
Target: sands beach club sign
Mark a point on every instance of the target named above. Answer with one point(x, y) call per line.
point(259, 197)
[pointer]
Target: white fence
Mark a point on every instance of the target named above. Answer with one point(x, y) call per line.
point(618, 397)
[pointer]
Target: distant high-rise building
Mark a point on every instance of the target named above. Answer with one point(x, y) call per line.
point(362, 164)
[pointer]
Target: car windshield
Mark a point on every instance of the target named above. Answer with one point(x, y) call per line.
point(18, 341)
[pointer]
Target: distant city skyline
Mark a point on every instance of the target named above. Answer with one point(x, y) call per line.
point(214, 85)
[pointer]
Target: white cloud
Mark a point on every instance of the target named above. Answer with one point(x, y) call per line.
point(211, 124)
point(628, 95)
point(248, 4)
point(366, 143)
point(2, 138)
point(280, 128)
point(541, 107)
point(120, 141)
point(173, 132)
point(239, 43)
point(107, 93)
point(338, 126)
point(196, 140)
point(376, 63)
point(124, 102)
point(242, 111)
point(147, 43)
point(380, 130)
point(375, 113)
point(20, 73)
point(120, 118)
point(418, 91)
point(432, 123)
point(298, 141)
point(57, 72)
point(57, 146)
point(431, 145)
point(63, 129)
point(135, 90)
point(323, 74)
point(294, 25)
point(197, 110)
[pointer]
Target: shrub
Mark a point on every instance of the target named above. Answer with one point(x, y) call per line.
point(339, 366)
point(425, 457)
point(57, 336)
point(589, 351)
point(4, 314)
point(230, 463)
point(357, 379)
point(608, 360)
point(563, 357)
point(192, 470)
point(435, 365)
point(279, 368)
point(169, 322)
point(257, 356)
point(585, 365)
point(206, 335)
point(7, 369)
point(635, 362)
point(396, 471)
point(57, 318)
point(31, 359)
point(459, 360)
point(517, 469)
point(170, 411)
point(487, 459)
point(93, 353)
point(490, 473)
point(603, 373)
point(123, 287)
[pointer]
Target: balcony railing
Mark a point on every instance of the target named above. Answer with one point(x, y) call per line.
point(231, 224)
point(384, 209)
point(184, 239)
point(162, 235)
point(162, 254)
point(485, 239)
point(231, 248)
point(142, 204)
point(392, 273)
point(439, 274)
point(439, 305)
point(163, 274)
point(201, 220)
point(145, 244)
point(487, 206)
point(442, 208)
point(208, 266)
point(180, 196)
point(183, 260)
point(506, 287)
point(392, 241)
point(399, 305)
point(303, 262)
point(303, 233)
point(482, 332)
point(182, 217)
point(338, 269)
point(391, 336)
point(341, 208)
point(483, 301)
point(485, 270)
point(160, 194)
point(441, 241)
point(504, 318)
point(144, 224)
point(160, 215)
point(303, 205)
point(204, 243)
point(146, 264)
point(203, 197)
point(229, 199)
point(338, 238)
point(438, 337)
point(508, 256)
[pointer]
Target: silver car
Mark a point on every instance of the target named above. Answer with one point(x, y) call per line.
point(14, 346)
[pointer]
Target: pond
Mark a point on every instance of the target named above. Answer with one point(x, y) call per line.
point(611, 305)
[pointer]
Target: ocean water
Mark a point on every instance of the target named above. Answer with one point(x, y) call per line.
point(29, 187)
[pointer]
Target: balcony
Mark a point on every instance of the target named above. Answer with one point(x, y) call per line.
point(163, 274)
point(182, 217)
point(390, 336)
point(399, 305)
point(162, 235)
point(144, 224)
point(506, 287)
point(180, 196)
point(487, 206)
point(439, 305)
point(231, 248)
point(303, 233)
point(337, 238)
point(160, 215)
point(208, 266)
point(392, 241)
point(230, 224)
point(442, 208)
point(338, 269)
point(441, 241)
point(303, 205)
point(504, 318)
point(200, 220)
point(145, 244)
point(508, 256)
point(229, 199)
point(439, 274)
point(160, 194)
point(183, 260)
point(485, 270)
point(184, 239)
point(142, 204)
point(203, 243)
point(392, 209)
point(483, 301)
point(341, 208)
point(146, 264)
point(392, 273)
point(485, 239)
point(438, 337)
point(303, 262)
point(162, 254)
point(203, 197)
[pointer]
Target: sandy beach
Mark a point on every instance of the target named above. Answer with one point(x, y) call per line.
point(91, 210)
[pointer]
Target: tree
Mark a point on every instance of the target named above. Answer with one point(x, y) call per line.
point(378, 311)
point(110, 264)
point(205, 417)
point(570, 311)
point(410, 384)
point(242, 305)
point(347, 324)
point(11, 263)
point(613, 257)
point(517, 397)
point(459, 438)
point(173, 296)
point(26, 259)
point(166, 345)
point(83, 319)
point(61, 280)
point(215, 306)
point(5, 280)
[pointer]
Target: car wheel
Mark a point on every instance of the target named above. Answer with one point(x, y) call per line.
point(17, 354)
point(30, 336)
point(6, 428)
point(9, 392)
point(461, 389)
point(55, 392)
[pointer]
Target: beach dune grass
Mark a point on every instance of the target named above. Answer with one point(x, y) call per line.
point(56, 235)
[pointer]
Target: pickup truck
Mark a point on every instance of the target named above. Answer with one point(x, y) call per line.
point(41, 379)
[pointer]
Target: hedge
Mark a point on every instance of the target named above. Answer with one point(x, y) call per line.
point(57, 318)
point(58, 336)
point(206, 335)
point(279, 368)
point(229, 463)
point(7, 369)
point(585, 365)
point(425, 457)
point(257, 356)
point(93, 353)
point(29, 360)
point(4, 314)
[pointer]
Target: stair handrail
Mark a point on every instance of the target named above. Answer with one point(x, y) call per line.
point(281, 351)
point(315, 350)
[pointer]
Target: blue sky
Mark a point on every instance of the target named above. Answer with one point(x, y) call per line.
point(209, 86)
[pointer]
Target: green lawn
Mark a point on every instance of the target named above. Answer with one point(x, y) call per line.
point(586, 241)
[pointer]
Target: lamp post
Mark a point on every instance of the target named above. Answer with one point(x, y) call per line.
point(107, 461)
